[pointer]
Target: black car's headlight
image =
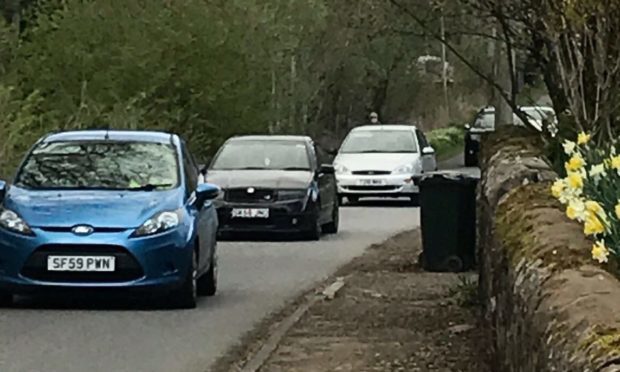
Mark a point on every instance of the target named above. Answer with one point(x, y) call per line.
point(284, 195)
point(13, 222)
point(162, 221)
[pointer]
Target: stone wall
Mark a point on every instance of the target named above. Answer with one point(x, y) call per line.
point(550, 308)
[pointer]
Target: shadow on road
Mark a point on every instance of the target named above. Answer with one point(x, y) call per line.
point(94, 300)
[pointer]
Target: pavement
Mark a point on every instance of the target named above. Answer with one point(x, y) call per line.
point(256, 279)
point(388, 315)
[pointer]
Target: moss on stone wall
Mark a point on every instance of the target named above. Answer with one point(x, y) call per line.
point(601, 343)
point(513, 140)
point(531, 225)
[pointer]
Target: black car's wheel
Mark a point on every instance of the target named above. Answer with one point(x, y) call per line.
point(332, 226)
point(186, 296)
point(314, 230)
point(6, 299)
point(207, 284)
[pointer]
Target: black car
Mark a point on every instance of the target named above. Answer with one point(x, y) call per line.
point(274, 184)
point(484, 122)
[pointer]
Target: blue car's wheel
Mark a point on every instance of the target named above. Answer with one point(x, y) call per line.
point(6, 299)
point(207, 284)
point(186, 296)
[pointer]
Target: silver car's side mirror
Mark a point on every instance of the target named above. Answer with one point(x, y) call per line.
point(428, 150)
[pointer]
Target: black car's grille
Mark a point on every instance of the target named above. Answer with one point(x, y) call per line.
point(126, 266)
point(243, 195)
point(371, 173)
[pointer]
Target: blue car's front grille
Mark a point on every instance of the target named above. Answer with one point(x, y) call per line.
point(95, 230)
point(127, 268)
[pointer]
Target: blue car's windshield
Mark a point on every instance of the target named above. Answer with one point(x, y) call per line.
point(108, 165)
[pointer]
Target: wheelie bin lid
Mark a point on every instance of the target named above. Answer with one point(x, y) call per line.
point(449, 175)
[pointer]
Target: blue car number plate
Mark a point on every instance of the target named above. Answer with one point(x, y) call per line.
point(81, 263)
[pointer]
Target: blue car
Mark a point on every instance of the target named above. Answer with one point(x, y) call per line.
point(119, 210)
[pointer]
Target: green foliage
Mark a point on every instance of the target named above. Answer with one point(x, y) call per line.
point(446, 140)
point(20, 121)
point(211, 69)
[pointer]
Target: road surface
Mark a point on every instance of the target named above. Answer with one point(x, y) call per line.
point(256, 278)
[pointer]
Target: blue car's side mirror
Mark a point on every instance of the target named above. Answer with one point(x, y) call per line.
point(207, 191)
point(2, 189)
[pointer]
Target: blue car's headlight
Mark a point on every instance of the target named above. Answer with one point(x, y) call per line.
point(161, 222)
point(13, 222)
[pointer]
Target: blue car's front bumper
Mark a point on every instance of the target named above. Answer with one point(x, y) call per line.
point(156, 263)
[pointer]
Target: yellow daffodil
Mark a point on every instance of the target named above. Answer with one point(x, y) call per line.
point(576, 210)
point(569, 147)
point(597, 170)
point(558, 188)
point(594, 207)
point(600, 252)
point(575, 163)
point(583, 138)
point(575, 181)
point(614, 162)
point(617, 210)
point(593, 225)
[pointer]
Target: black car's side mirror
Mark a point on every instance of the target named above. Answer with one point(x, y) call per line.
point(2, 190)
point(327, 169)
point(467, 126)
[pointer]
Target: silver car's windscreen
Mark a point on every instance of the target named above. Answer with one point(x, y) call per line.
point(379, 141)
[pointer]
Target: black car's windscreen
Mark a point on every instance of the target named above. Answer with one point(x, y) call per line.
point(262, 154)
point(100, 165)
point(379, 141)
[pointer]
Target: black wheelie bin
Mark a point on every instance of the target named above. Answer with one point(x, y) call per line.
point(448, 219)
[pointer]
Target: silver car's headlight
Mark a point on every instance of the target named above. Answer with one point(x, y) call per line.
point(162, 221)
point(341, 169)
point(405, 169)
point(13, 222)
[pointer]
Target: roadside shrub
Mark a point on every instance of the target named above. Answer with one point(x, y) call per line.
point(591, 193)
point(446, 140)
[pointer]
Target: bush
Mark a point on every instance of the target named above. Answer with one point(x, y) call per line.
point(446, 140)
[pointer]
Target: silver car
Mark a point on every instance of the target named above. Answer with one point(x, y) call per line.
point(383, 161)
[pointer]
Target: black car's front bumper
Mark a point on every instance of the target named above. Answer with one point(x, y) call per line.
point(284, 217)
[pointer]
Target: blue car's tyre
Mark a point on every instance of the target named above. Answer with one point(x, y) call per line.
point(6, 299)
point(186, 296)
point(207, 284)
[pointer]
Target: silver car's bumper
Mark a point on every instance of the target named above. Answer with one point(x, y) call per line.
point(377, 186)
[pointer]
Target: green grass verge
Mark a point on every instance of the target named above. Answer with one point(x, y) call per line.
point(448, 142)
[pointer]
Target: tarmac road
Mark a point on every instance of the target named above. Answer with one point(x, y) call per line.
point(256, 278)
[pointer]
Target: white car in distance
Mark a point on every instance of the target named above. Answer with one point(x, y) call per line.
point(383, 161)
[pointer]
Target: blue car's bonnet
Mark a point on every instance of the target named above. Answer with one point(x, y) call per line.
point(113, 209)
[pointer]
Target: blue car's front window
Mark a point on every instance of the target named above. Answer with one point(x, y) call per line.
point(104, 165)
